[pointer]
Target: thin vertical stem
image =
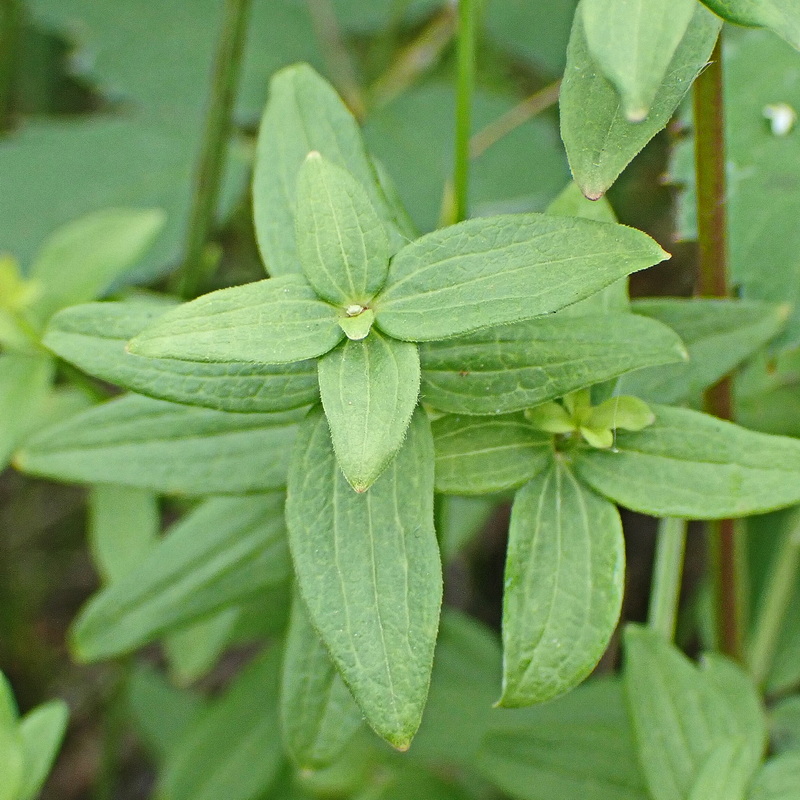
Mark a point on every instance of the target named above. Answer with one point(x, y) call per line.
point(215, 141)
point(464, 91)
point(780, 587)
point(709, 125)
point(10, 34)
point(667, 573)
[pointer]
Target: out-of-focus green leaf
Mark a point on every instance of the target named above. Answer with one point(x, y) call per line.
point(369, 571)
point(496, 270)
point(413, 137)
point(534, 30)
point(94, 337)
point(781, 16)
point(689, 464)
point(12, 764)
point(233, 748)
point(41, 731)
point(24, 384)
point(160, 713)
point(580, 746)
point(221, 553)
point(304, 113)
point(600, 142)
point(165, 447)
point(64, 170)
point(633, 43)
point(718, 334)
point(459, 520)
point(274, 321)
point(81, 260)
point(688, 733)
point(763, 174)
point(192, 651)
point(785, 724)
point(369, 390)
point(778, 779)
point(481, 455)
point(318, 714)
point(341, 241)
point(563, 538)
point(123, 524)
point(519, 366)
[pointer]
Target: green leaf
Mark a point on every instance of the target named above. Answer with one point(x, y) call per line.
point(515, 367)
point(692, 465)
point(318, 714)
point(579, 746)
point(224, 551)
point(12, 765)
point(233, 749)
point(369, 571)
point(600, 142)
point(785, 724)
point(194, 650)
point(780, 16)
point(482, 455)
point(304, 113)
point(41, 731)
point(633, 43)
point(94, 338)
point(123, 524)
point(165, 447)
point(718, 334)
point(24, 384)
point(496, 270)
point(778, 779)
point(160, 713)
point(688, 734)
point(272, 321)
point(620, 411)
point(369, 390)
point(341, 241)
point(81, 260)
point(563, 538)
point(459, 520)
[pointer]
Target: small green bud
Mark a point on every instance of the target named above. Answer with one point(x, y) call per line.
point(551, 418)
point(629, 413)
point(602, 438)
point(357, 322)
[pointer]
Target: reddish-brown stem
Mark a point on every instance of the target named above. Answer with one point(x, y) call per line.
point(709, 124)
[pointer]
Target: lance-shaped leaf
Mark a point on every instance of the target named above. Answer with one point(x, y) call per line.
point(579, 746)
point(233, 748)
point(24, 383)
point(778, 779)
point(273, 321)
point(368, 569)
point(600, 142)
point(780, 16)
point(318, 714)
point(94, 338)
point(304, 113)
point(564, 579)
point(718, 334)
point(688, 734)
point(515, 367)
point(633, 43)
point(495, 270)
point(224, 551)
point(692, 465)
point(341, 241)
point(169, 448)
point(41, 732)
point(482, 455)
point(82, 259)
point(369, 389)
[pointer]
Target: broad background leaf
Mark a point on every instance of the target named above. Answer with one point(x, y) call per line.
point(781, 16)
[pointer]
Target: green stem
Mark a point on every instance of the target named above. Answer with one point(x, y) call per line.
point(212, 158)
point(780, 588)
point(464, 91)
point(10, 34)
point(667, 573)
point(709, 125)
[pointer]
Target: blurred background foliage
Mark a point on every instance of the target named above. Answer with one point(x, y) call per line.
point(102, 105)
